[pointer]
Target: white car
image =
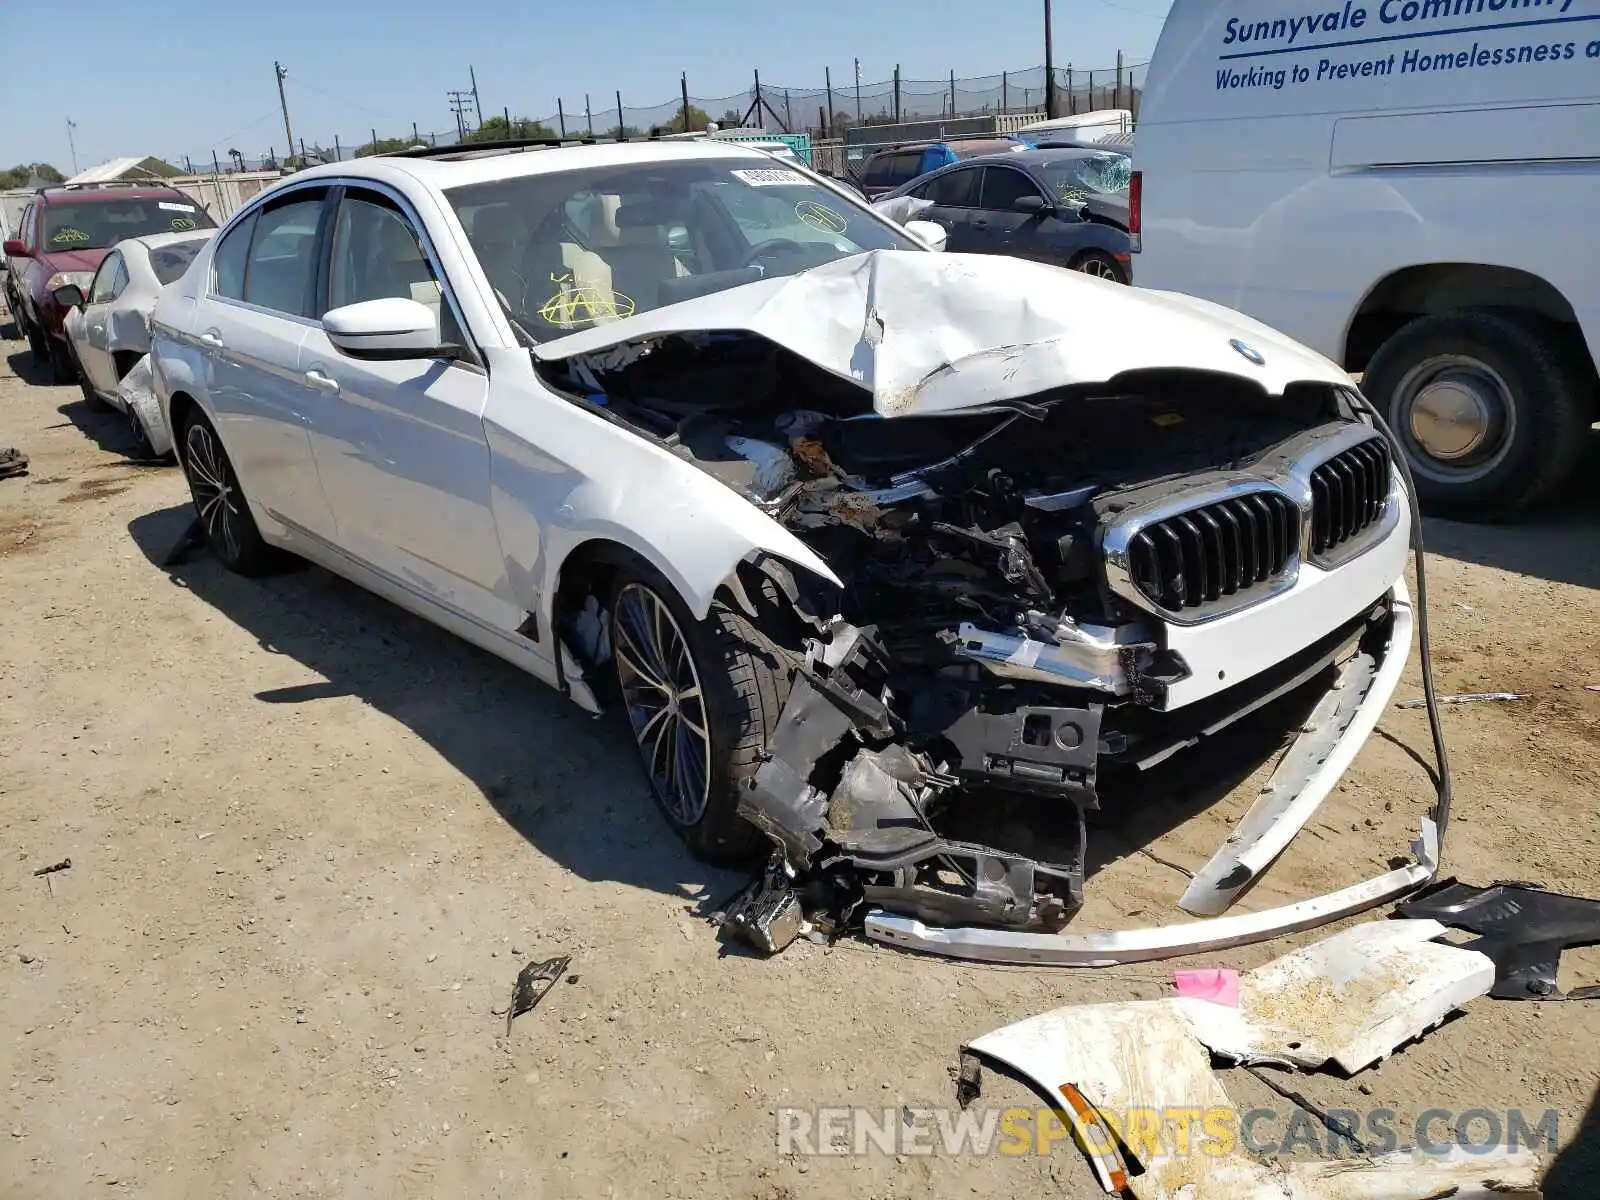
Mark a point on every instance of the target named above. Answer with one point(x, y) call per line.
point(109, 329)
point(858, 534)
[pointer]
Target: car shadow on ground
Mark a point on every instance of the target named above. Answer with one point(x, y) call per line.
point(1558, 540)
point(1575, 1174)
point(110, 430)
point(565, 781)
point(569, 783)
point(26, 368)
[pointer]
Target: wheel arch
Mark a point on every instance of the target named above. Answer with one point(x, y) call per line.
point(1423, 289)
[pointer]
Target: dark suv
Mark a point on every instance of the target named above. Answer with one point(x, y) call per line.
point(64, 233)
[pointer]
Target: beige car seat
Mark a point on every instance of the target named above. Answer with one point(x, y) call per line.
point(638, 255)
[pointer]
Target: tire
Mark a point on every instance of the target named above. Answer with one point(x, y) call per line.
point(220, 502)
point(63, 369)
point(1100, 265)
point(743, 682)
point(89, 394)
point(36, 342)
point(1520, 390)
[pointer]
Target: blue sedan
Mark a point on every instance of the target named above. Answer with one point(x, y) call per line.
point(1068, 207)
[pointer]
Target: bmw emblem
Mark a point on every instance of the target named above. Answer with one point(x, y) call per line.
point(1249, 352)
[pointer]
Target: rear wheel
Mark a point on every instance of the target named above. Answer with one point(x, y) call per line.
point(702, 699)
point(220, 502)
point(1100, 265)
point(36, 343)
point(1492, 409)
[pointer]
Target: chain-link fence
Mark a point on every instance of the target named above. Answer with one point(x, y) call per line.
point(823, 112)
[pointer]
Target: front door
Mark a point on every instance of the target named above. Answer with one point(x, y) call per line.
point(953, 196)
point(93, 354)
point(999, 228)
point(400, 444)
point(251, 331)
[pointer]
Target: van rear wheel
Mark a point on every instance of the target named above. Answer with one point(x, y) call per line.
point(1492, 409)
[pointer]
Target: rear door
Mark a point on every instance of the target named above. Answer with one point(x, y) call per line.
point(250, 330)
point(93, 353)
point(953, 197)
point(400, 443)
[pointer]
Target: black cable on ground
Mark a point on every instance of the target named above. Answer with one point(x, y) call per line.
point(1445, 793)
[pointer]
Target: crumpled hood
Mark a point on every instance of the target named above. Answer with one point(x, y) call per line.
point(930, 332)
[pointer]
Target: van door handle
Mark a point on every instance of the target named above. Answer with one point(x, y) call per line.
point(212, 339)
point(322, 382)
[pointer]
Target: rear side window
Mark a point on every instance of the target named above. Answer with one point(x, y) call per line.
point(281, 271)
point(906, 167)
point(955, 189)
point(228, 263)
point(105, 286)
point(170, 262)
point(878, 172)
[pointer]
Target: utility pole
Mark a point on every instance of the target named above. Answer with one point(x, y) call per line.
point(71, 144)
point(561, 117)
point(458, 105)
point(683, 84)
point(472, 75)
point(827, 122)
point(858, 91)
point(588, 113)
point(279, 70)
point(1049, 66)
point(622, 126)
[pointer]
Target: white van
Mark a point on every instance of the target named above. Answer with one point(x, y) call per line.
point(1412, 187)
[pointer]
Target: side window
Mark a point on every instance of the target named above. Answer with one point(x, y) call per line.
point(377, 255)
point(956, 189)
point(876, 173)
point(1003, 187)
point(25, 226)
point(906, 167)
point(282, 266)
point(104, 287)
point(119, 281)
point(227, 265)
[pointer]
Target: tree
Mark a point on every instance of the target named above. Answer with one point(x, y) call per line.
point(496, 129)
point(22, 174)
point(698, 120)
point(382, 146)
point(731, 119)
point(623, 131)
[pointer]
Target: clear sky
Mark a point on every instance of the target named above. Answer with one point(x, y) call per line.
point(186, 79)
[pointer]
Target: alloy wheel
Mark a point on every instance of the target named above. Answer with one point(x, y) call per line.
point(216, 492)
point(1099, 268)
point(665, 703)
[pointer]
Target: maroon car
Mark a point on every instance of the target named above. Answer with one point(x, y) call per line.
point(64, 233)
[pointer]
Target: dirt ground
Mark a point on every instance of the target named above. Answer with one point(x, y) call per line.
point(313, 839)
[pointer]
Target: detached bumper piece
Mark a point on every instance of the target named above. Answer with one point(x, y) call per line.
point(847, 792)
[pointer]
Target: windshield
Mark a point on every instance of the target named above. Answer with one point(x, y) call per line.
point(100, 224)
point(1074, 178)
point(169, 262)
point(569, 250)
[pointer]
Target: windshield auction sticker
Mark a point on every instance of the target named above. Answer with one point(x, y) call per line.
point(769, 177)
point(1275, 50)
point(68, 236)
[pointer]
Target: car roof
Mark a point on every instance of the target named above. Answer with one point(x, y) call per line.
point(493, 166)
point(76, 193)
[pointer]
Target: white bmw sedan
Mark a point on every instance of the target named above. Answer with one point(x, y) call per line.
point(859, 535)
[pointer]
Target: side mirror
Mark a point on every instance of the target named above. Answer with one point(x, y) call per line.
point(392, 328)
point(931, 233)
point(16, 248)
point(69, 296)
point(1034, 206)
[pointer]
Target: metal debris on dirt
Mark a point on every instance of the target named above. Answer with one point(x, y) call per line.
point(534, 981)
point(1112, 1062)
point(1463, 698)
point(1523, 931)
point(13, 462)
point(64, 865)
point(1351, 998)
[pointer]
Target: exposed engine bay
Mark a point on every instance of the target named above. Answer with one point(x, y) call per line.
point(950, 711)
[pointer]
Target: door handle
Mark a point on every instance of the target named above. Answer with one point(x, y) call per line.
point(322, 382)
point(97, 330)
point(212, 339)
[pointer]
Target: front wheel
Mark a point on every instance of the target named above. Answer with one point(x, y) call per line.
point(702, 699)
point(220, 502)
point(1492, 409)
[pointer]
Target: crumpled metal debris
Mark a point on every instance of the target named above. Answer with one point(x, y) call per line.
point(533, 983)
point(1462, 698)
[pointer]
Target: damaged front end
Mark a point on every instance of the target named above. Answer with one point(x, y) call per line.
point(1037, 590)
